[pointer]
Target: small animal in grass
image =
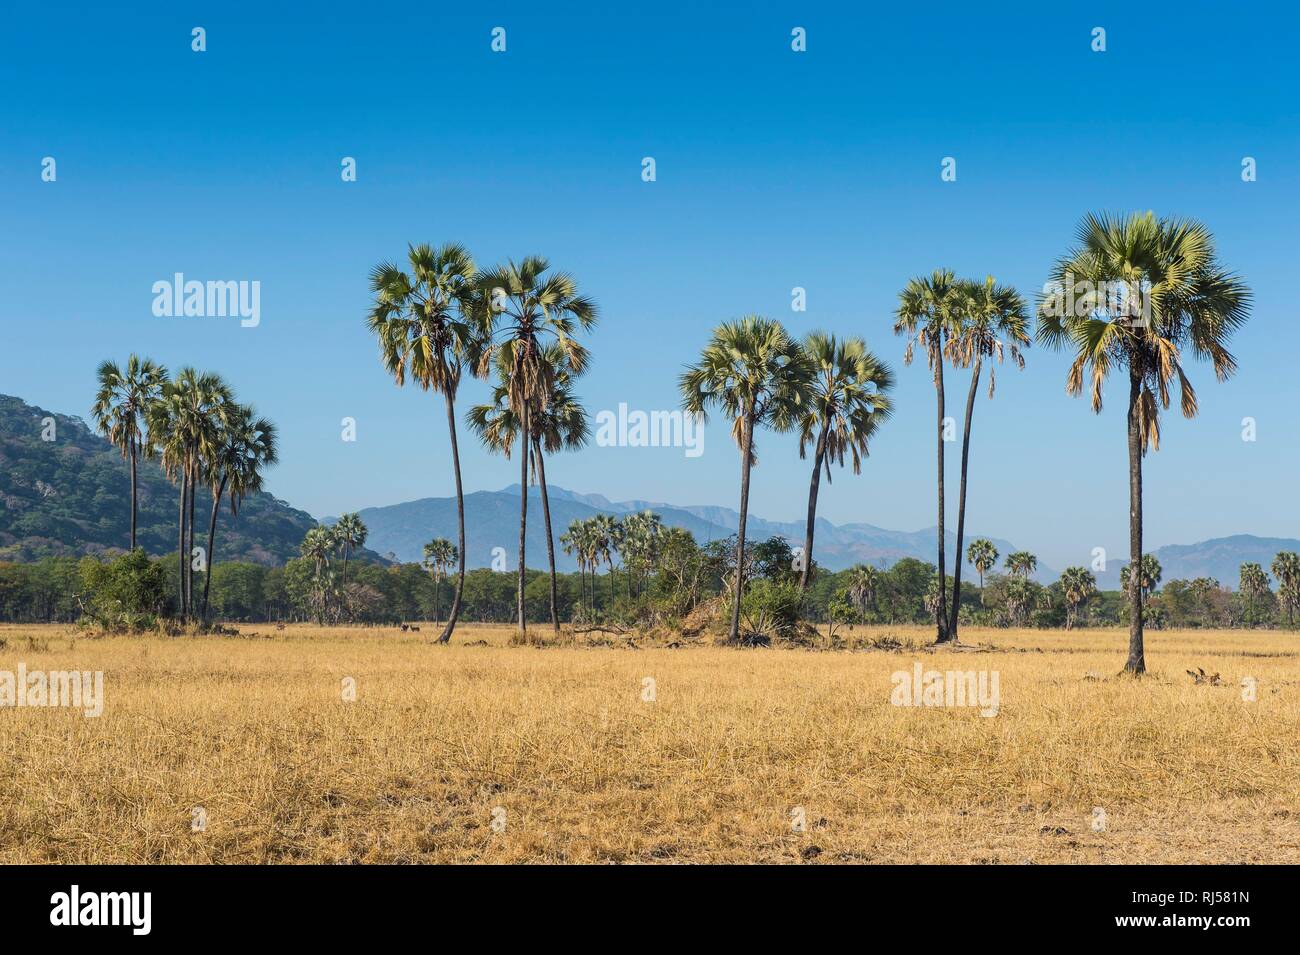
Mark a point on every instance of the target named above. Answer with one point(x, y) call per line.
point(1199, 677)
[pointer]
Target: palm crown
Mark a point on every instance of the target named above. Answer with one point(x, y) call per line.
point(424, 319)
point(847, 398)
point(750, 370)
point(1154, 289)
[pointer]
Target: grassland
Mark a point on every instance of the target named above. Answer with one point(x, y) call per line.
point(559, 748)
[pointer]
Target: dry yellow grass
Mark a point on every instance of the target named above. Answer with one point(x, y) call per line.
point(254, 729)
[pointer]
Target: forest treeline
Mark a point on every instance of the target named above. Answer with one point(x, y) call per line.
point(684, 576)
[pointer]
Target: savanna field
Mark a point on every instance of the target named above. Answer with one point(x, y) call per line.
point(486, 752)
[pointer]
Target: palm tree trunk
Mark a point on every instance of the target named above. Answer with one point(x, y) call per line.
point(212, 535)
point(454, 614)
point(806, 575)
point(546, 519)
point(134, 498)
point(1136, 657)
point(941, 605)
point(733, 634)
point(189, 544)
point(525, 425)
point(961, 503)
point(180, 549)
point(437, 600)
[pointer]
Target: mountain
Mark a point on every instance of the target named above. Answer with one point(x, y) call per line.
point(71, 495)
point(1220, 558)
point(492, 521)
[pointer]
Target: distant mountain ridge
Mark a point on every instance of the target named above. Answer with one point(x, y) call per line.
point(492, 520)
point(1219, 558)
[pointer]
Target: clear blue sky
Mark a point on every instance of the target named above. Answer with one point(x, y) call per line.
point(775, 169)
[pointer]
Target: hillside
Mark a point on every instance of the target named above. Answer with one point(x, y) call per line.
point(71, 496)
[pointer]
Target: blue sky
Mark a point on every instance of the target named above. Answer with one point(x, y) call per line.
point(775, 169)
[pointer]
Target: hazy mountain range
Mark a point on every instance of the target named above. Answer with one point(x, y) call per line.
point(69, 496)
point(492, 520)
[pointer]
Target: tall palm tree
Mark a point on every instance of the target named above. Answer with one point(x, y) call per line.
point(1155, 288)
point(186, 423)
point(527, 307)
point(1021, 563)
point(757, 375)
point(558, 423)
point(121, 409)
point(439, 555)
point(928, 312)
point(428, 325)
point(983, 556)
point(1077, 585)
point(1286, 568)
point(350, 532)
point(247, 446)
point(993, 323)
point(848, 399)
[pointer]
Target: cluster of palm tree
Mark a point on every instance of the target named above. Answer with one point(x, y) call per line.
point(962, 323)
point(203, 436)
point(323, 543)
point(636, 539)
point(445, 316)
point(1077, 585)
point(1286, 568)
point(834, 393)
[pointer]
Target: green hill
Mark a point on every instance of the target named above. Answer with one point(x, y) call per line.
point(71, 496)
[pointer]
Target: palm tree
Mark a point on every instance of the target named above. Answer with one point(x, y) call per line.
point(428, 327)
point(928, 313)
point(121, 408)
point(1286, 568)
point(605, 532)
point(350, 533)
point(758, 376)
point(575, 543)
point(983, 556)
point(848, 401)
point(1021, 563)
point(558, 423)
point(1254, 583)
point(318, 546)
point(1077, 585)
point(1148, 580)
point(993, 322)
point(640, 543)
point(526, 308)
point(439, 555)
point(246, 448)
point(864, 584)
point(1154, 288)
point(186, 423)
